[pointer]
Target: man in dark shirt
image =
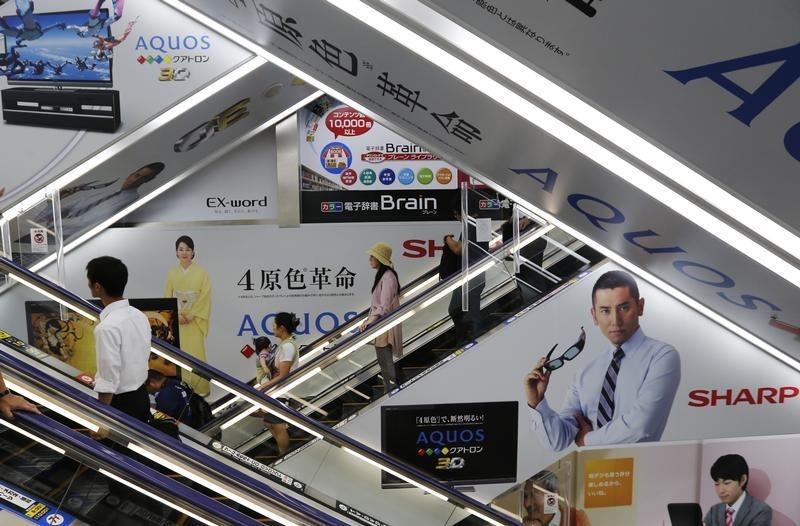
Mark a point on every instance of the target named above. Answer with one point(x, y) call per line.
point(530, 283)
point(467, 324)
point(171, 397)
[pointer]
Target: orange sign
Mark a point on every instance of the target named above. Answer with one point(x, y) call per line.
point(608, 482)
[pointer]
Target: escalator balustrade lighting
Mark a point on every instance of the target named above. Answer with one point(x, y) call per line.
point(155, 497)
point(44, 292)
point(600, 154)
point(360, 342)
point(213, 486)
point(257, 404)
point(425, 285)
point(280, 391)
point(63, 411)
point(176, 361)
point(33, 437)
point(396, 474)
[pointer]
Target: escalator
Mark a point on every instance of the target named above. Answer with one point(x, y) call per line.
point(339, 375)
point(361, 502)
point(52, 473)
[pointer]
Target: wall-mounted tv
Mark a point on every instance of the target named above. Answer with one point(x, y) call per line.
point(57, 48)
point(456, 444)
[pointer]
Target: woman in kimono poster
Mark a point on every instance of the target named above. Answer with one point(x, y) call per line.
point(189, 283)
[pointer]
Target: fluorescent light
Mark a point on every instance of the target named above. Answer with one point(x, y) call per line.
point(163, 118)
point(425, 285)
point(309, 405)
point(88, 424)
point(350, 350)
point(229, 403)
point(91, 233)
point(571, 137)
point(260, 405)
point(441, 294)
point(294, 383)
point(213, 486)
point(484, 517)
point(238, 418)
point(597, 121)
point(153, 496)
point(44, 292)
point(32, 436)
point(672, 291)
point(395, 473)
point(176, 361)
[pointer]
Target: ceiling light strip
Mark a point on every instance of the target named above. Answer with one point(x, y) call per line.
point(670, 290)
point(575, 139)
point(106, 154)
point(540, 86)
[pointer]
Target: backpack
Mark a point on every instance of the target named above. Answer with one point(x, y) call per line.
point(201, 410)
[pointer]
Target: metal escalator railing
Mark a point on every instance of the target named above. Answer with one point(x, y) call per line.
point(341, 391)
point(143, 440)
point(347, 355)
point(372, 460)
point(88, 458)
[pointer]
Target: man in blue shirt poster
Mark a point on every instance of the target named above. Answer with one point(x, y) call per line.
point(623, 395)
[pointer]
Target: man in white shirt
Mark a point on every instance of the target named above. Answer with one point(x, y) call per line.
point(625, 394)
point(122, 341)
point(730, 474)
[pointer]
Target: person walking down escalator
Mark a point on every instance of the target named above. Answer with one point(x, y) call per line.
point(284, 360)
point(385, 299)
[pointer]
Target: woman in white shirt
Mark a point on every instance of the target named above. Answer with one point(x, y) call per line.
point(285, 360)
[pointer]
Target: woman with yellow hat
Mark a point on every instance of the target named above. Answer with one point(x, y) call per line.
point(385, 299)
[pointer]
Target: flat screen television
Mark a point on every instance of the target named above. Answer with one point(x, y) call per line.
point(456, 444)
point(62, 52)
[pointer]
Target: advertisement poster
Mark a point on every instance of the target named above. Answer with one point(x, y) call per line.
point(713, 395)
point(147, 53)
point(354, 169)
point(255, 271)
point(511, 143)
point(72, 340)
point(673, 485)
point(712, 83)
point(453, 443)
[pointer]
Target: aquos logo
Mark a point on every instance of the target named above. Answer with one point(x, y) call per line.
point(172, 43)
point(323, 322)
point(173, 50)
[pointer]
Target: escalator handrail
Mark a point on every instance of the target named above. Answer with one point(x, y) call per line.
point(148, 435)
point(328, 356)
point(245, 391)
point(72, 441)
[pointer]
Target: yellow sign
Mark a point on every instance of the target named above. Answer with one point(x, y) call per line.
point(608, 482)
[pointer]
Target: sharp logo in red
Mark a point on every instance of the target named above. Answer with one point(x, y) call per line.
point(421, 248)
point(758, 396)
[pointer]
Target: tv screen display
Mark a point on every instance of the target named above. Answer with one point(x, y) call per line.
point(456, 444)
point(56, 49)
